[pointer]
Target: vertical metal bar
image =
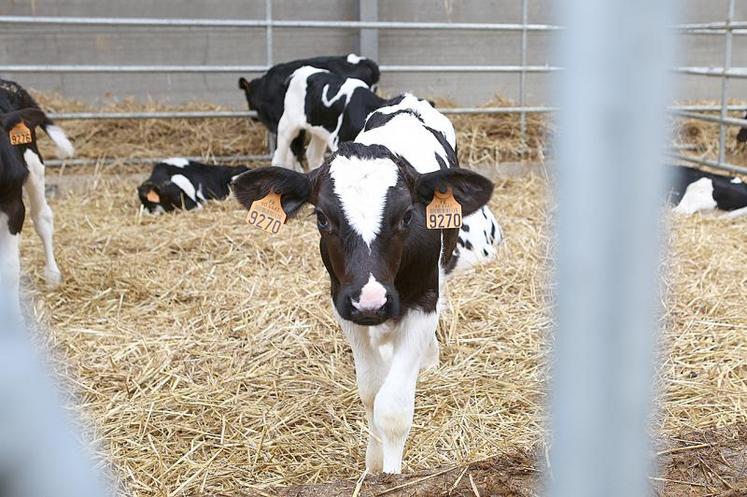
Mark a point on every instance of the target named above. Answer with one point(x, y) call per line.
point(271, 137)
point(728, 35)
point(609, 190)
point(522, 78)
point(368, 44)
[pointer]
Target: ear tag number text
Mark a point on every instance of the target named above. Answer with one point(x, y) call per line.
point(267, 213)
point(444, 211)
point(20, 134)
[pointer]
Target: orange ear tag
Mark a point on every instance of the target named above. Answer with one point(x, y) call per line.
point(20, 134)
point(443, 212)
point(267, 213)
point(152, 196)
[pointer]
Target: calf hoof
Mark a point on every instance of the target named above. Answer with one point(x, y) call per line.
point(53, 278)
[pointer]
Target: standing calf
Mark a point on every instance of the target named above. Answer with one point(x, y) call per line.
point(179, 183)
point(266, 94)
point(386, 270)
point(21, 167)
point(331, 108)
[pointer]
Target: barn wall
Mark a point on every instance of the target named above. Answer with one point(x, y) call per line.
point(94, 45)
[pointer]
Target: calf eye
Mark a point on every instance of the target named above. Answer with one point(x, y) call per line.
point(321, 220)
point(407, 218)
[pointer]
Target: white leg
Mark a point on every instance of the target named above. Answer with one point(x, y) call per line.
point(42, 215)
point(10, 265)
point(315, 152)
point(287, 131)
point(395, 403)
point(370, 371)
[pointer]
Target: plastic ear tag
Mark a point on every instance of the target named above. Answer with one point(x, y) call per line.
point(152, 196)
point(444, 211)
point(267, 213)
point(20, 134)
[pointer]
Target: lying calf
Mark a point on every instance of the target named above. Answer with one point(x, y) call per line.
point(266, 95)
point(178, 183)
point(21, 167)
point(330, 107)
point(13, 97)
point(693, 190)
point(386, 269)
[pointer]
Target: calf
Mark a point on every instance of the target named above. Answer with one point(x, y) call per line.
point(13, 97)
point(386, 270)
point(21, 167)
point(178, 183)
point(693, 190)
point(480, 233)
point(266, 94)
point(332, 108)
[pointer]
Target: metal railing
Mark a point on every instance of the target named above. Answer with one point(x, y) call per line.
point(728, 28)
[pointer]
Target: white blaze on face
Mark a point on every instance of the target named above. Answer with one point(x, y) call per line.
point(373, 296)
point(177, 162)
point(354, 59)
point(361, 186)
point(186, 186)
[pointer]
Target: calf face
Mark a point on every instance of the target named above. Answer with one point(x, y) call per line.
point(370, 210)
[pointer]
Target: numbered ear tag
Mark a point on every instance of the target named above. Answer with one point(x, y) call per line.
point(267, 213)
point(20, 134)
point(443, 212)
point(152, 196)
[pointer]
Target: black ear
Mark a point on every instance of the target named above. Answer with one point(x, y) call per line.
point(294, 187)
point(471, 190)
point(244, 84)
point(30, 116)
point(742, 135)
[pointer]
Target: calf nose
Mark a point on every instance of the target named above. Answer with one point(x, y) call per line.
point(372, 298)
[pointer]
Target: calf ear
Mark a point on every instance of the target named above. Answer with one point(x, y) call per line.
point(471, 190)
point(244, 84)
point(30, 116)
point(294, 188)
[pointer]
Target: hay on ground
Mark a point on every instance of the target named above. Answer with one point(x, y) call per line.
point(205, 356)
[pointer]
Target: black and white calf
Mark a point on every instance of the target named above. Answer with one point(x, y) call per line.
point(480, 233)
point(693, 190)
point(331, 108)
point(266, 94)
point(179, 183)
point(386, 270)
point(21, 167)
point(14, 97)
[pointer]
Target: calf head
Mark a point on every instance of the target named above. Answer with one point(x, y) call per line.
point(370, 212)
point(248, 87)
point(164, 196)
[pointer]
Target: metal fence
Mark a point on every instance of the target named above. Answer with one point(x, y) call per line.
point(368, 29)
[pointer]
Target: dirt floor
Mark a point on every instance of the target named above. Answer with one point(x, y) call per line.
point(206, 361)
point(705, 464)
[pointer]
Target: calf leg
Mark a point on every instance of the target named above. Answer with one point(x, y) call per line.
point(370, 371)
point(315, 152)
point(283, 155)
point(42, 215)
point(395, 403)
point(10, 265)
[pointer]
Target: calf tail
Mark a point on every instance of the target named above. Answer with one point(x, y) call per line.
point(65, 148)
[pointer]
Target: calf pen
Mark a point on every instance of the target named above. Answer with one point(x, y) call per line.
point(195, 389)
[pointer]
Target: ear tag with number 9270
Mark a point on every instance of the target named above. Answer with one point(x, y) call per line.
point(444, 211)
point(267, 213)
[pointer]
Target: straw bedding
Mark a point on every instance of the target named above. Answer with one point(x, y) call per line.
point(206, 360)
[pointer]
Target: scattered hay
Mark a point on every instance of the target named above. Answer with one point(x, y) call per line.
point(206, 358)
point(703, 136)
point(483, 139)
